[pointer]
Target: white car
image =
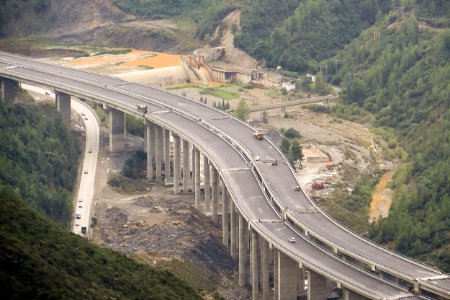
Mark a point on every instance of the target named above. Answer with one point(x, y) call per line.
point(77, 223)
point(78, 216)
point(85, 171)
point(291, 239)
point(80, 205)
point(83, 114)
point(80, 200)
point(257, 158)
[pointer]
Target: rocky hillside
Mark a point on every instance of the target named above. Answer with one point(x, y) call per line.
point(98, 22)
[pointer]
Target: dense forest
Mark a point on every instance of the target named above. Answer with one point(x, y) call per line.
point(305, 32)
point(39, 260)
point(38, 159)
point(394, 68)
point(401, 75)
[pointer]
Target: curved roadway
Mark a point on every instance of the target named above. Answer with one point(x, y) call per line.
point(279, 181)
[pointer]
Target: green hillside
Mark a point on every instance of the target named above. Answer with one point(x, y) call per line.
point(402, 77)
point(38, 159)
point(39, 260)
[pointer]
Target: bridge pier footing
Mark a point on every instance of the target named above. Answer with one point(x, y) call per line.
point(176, 164)
point(63, 105)
point(206, 183)
point(9, 89)
point(117, 130)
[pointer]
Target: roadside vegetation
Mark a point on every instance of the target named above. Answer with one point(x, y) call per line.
point(403, 81)
point(38, 159)
point(290, 144)
point(40, 260)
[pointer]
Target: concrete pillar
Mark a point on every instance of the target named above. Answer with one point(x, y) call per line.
point(166, 154)
point(214, 193)
point(243, 244)
point(301, 281)
point(255, 265)
point(197, 177)
point(225, 215)
point(63, 106)
point(192, 168)
point(317, 286)
point(176, 164)
point(287, 278)
point(158, 152)
point(265, 269)
point(186, 167)
point(350, 295)
point(150, 147)
point(117, 131)
point(234, 230)
point(206, 183)
point(9, 89)
point(275, 273)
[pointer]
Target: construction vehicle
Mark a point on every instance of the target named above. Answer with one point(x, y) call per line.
point(142, 107)
point(259, 135)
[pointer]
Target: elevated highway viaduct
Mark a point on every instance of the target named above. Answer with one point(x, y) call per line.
point(264, 206)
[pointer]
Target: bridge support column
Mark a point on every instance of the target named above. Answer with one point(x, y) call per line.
point(265, 259)
point(186, 167)
point(158, 152)
point(275, 273)
point(192, 173)
point(166, 155)
point(350, 295)
point(215, 193)
point(176, 164)
point(255, 265)
point(9, 89)
point(317, 286)
point(63, 106)
point(287, 277)
point(206, 183)
point(117, 130)
point(225, 215)
point(234, 230)
point(150, 145)
point(243, 251)
point(301, 281)
point(197, 177)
